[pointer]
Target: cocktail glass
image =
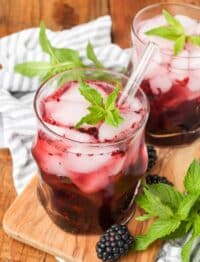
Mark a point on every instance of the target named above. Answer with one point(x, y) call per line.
point(172, 83)
point(88, 177)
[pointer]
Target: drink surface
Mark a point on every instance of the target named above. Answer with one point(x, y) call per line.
point(172, 84)
point(88, 175)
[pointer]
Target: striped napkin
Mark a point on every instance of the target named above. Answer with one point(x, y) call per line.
point(17, 92)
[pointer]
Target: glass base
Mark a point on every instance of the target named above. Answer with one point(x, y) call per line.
point(95, 223)
point(173, 138)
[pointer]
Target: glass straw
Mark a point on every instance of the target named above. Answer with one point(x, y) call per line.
point(137, 75)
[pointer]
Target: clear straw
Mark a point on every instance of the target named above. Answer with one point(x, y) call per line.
point(138, 74)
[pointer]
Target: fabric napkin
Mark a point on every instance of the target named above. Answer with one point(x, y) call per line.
point(17, 92)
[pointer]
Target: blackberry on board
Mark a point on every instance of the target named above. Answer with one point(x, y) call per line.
point(156, 179)
point(152, 157)
point(114, 243)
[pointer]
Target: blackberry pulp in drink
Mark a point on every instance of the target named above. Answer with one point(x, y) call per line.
point(172, 82)
point(88, 176)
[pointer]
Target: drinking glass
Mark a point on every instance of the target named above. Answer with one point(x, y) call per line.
point(172, 83)
point(85, 187)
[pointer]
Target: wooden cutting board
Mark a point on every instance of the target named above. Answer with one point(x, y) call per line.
point(27, 221)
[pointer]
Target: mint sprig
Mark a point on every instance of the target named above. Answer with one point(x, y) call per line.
point(92, 56)
point(60, 59)
point(174, 31)
point(100, 110)
point(174, 213)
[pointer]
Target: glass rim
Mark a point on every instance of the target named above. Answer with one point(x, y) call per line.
point(141, 125)
point(148, 7)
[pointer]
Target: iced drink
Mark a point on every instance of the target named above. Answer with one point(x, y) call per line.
point(172, 82)
point(88, 176)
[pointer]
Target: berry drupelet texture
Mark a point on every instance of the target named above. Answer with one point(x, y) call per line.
point(114, 243)
point(152, 157)
point(155, 179)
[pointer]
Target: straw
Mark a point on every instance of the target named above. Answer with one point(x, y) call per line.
point(138, 74)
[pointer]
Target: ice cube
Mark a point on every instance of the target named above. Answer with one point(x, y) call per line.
point(178, 74)
point(73, 93)
point(135, 104)
point(90, 183)
point(194, 80)
point(153, 70)
point(53, 164)
point(85, 163)
point(189, 24)
point(98, 177)
point(72, 134)
point(180, 61)
point(49, 155)
point(108, 132)
point(66, 113)
point(151, 24)
point(194, 59)
point(160, 83)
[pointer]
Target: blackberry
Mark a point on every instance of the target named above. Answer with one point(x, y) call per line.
point(114, 243)
point(155, 179)
point(152, 156)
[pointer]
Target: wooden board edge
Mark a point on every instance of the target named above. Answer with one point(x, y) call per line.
point(7, 227)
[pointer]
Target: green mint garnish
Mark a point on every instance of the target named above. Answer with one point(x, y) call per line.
point(98, 109)
point(174, 213)
point(92, 56)
point(174, 31)
point(60, 59)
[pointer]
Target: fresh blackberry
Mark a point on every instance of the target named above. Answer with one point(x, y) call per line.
point(114, 243)
point(155, 179)
point(152, 156)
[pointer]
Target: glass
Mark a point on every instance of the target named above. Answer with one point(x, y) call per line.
point(85, 187)
point(172, 83)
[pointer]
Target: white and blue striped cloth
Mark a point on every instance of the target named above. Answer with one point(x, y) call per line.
point(17, 120)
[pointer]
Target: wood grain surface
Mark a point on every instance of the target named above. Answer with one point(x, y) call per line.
point(10, 249)
point(16, 15)
point(26, 212)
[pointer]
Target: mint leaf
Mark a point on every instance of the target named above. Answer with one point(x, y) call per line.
point(90, 94)
point(143, 218)
point(153, 205)
point(67, 54)
point(167, 194)
point(174, 23)
point(174, 31)
point(179, 232)
point(197, 225)
point(113, 117)
point(32, 69)
point(45, 43)
point(157, 230)
point(186, 205)
point(179, 44)
point(110, 103)
point(194, 39)
point(91, 55)
point(164, 32)
point(105, 111)
point(91, 119)
point(192, 179)
point(186, 250)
